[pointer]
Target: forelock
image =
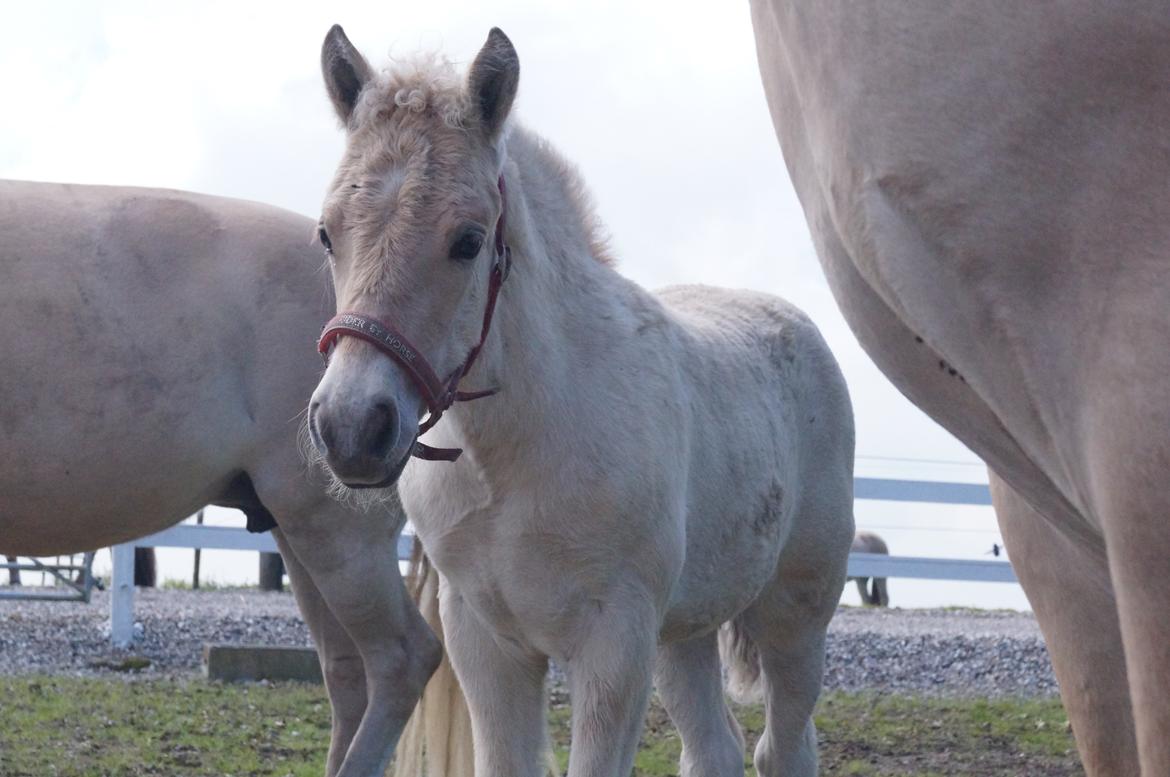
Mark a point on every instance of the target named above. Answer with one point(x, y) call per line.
point(409, 140)
point(425, 85)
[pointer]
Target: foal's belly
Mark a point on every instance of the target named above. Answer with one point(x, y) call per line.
point(730, 559)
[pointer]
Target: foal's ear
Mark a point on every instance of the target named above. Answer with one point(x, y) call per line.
point(492, 81)
point(346, 71)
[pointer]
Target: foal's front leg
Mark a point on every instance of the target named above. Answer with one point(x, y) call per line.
point(610, 676)
point(504, 687)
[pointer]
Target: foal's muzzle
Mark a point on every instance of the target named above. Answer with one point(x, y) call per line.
point(356, 445)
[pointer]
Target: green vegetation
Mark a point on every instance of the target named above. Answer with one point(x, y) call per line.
point(205, 584)
point(85, 727)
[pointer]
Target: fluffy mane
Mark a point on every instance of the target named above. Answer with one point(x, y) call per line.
point(428, 85)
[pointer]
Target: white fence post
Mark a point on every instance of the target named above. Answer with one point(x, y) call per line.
point(122, 595)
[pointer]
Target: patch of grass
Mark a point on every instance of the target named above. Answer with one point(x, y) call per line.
point(85, 727)
point(184, 584)
point(879, 735)
point(89, 727)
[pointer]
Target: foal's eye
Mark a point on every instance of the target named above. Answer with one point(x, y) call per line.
point(324, 238)
point(467, 245)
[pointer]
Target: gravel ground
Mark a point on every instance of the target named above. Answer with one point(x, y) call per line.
point(944, 652)
point(940, 652)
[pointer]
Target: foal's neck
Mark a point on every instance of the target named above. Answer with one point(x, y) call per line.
point(557, 314)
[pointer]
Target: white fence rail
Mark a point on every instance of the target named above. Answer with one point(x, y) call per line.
point(925, 568)
point(860, 564)
point(182, 536)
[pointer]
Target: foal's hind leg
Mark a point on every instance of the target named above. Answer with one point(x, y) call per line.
point(787, 625)
point(690, 682)
point(792, 662)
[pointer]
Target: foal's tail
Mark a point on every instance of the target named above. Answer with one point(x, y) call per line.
point(741, 658)
point(439, 732)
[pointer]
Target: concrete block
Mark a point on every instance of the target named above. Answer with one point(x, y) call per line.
point(237, 663)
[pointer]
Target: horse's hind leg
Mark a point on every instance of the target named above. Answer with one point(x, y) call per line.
point(863, 588)
point(690, 683)
point(1069, 590)
point(341, 664)
point(881, 594)
point(351, 558)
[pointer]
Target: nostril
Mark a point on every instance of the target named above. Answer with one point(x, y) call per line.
point(384, 429)
point(321, 429)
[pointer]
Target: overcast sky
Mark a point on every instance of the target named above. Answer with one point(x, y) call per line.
point(661, 107)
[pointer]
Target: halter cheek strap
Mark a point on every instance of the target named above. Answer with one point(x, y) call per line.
point(438, 394)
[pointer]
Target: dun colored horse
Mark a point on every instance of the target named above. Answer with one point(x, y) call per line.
point(988, 188)
point(159, 360)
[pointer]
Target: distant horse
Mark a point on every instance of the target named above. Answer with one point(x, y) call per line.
point(159, 360)
point(988, 188)
point(868, 542)
point(648, 467)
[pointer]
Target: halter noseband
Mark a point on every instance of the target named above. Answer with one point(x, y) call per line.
point(438, 395)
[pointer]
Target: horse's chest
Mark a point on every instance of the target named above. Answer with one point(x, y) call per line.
point(527, 585)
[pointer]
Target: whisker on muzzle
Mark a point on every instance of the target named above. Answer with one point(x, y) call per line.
point(364, 499)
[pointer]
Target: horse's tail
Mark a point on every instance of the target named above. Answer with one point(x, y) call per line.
point(881, 596)
point(741, 658)
point(439, 732)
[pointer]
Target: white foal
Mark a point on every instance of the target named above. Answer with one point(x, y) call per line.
point(650, 467)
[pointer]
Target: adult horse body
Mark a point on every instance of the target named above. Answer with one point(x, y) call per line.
point(651, 466)
point(156, 361)
point(987, 188)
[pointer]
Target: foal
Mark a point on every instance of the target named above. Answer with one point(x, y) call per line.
point(650, 466)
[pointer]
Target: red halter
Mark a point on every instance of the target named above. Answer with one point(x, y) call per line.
point(439, 395)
